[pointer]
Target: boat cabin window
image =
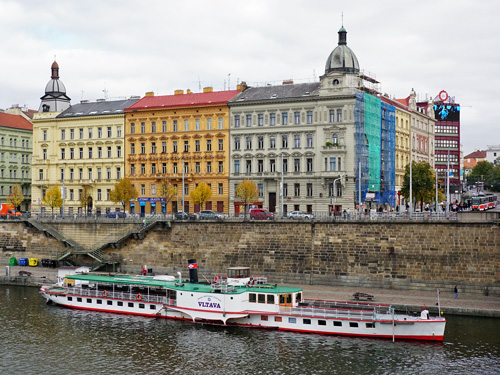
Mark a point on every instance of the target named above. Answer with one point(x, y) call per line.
point(307, 321)
point(238, 272)
point(298, 297)
point(337, 324)
point(252, 297)
point(270, 299)
point(262, 298)
point(353, 324)
point(322, 322)
point(285, 299)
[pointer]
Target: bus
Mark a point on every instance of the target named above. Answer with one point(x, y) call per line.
point(484, 202)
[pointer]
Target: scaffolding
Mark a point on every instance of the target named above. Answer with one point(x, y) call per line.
point(375, 133)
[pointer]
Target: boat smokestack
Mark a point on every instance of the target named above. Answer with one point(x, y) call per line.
point(193, 270)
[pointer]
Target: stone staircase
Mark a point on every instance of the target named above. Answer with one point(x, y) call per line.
point(96, 253)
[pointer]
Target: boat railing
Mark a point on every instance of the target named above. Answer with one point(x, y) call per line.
point(221, 286)
point(259, 280)
point(325, 312)
point(138, 297)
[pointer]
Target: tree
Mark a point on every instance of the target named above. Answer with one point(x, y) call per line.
point(53, 198)
point(247, 192)
point(482, 171)
point(123, 192)
point(86, 198)
point(167, 191)
point(201, 194)
point(423, 179)
point(16, 196)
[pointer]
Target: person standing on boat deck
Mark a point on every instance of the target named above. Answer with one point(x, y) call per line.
point(455, 290)
point(425, 313)
point(145, 270)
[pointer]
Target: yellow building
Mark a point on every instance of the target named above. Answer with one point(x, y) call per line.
point(178, 137)
point(79, 149)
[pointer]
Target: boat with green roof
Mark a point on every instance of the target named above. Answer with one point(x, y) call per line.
point(237, 299)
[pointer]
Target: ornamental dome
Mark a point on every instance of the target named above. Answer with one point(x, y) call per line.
point(342, 58)
point(54, 85)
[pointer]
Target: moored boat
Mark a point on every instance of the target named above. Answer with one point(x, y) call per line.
point(238, 299)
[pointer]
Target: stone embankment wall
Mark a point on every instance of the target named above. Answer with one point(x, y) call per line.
point(424, 256)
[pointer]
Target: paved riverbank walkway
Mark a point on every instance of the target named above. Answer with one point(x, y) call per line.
point(465, 304)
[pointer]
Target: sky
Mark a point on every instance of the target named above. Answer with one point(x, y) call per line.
point(115, 49)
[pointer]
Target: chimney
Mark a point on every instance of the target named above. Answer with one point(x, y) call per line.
point(208, 89)
point(179, 92)
point(150, 93)
point(242, 86)
point(193, 271)
point(188, 91)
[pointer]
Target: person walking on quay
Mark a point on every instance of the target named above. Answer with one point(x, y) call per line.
point(455, 290)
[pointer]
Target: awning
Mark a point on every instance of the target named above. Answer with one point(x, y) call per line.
point(370, 196)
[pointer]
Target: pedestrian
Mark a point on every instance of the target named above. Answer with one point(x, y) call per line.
point(144, 223)
point(345, 214)
point(348, 214)
point(455, 290)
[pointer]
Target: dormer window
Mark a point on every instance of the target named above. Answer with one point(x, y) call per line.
point(335, 82)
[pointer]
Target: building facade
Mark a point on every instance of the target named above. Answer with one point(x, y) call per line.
point(16, 134)
point(183, 139)
point(304, 145)
point(493, 154)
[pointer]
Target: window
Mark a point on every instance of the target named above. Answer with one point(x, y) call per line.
point(197, 124)
point(132, 169)
point(197, 145)
point(118, 132)
point(109, 131)
point(132, 128)
point(186, 167)
point(272, 141)
point(63, 153)
point(99, 195)
point(197, 167)
point(89, 300)
point(164, 147)
point(164, 168)
point(132, 148)
point(71, 173)
point(109, 150)
point(322, 322)
point(143, 189)
point(186, 146)
point(80, 173)
point(186, 125)
point(337, 324)
point(252, 297)
point(272, 119)
point(248, 166)
point(63, 134)
point(335, 139)
point(90, 152)
point(309, 189)
point(143, 127)
point(284, 141)
point(221, 166)
point(292, 320)
point(236, 166)
point(81, 152)
point(261, 193)
point(174, 146)
point(153, 189)
point(333, 164)
point(99, 152)
point(340, 163)
point(209, 167)
point(72, 134)
point(143, 149)
point(353, 324)
point(309, 140)
point(209, 124)
point(285, 165)
point(260, 165)
point(153, 168)
point(260, 142)
point(174, 126)
point(296, 189)
point(186, 189)
point(90, 173)
point(249, 143)
point(44, 154)
point(309, 163)
point(236, 143)
point(71, 194)
point(44, 136)
point(221, 188)
point(309, 117)
point(237, 121)
point(260, 119)
point(221, 145)
point(221, 123)
point(249, 120)
point(284, 118)
point(153, 126)
point(209, 145)
point(164, 126)
point(339, 115)
point(119, 151)
point(296, 140)
point(272, 165)
point(99, 173)
point(306, 321)
point(296, 165)
point(175, 167)
point(99, 132)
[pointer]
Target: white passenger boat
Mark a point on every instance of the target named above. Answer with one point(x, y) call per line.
point(238, 299)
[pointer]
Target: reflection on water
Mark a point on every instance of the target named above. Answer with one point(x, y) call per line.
point(44, 339)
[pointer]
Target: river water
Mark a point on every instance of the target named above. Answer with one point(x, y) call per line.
point(36, 338)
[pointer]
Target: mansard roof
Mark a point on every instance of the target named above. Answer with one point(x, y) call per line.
point(99, 108)
point(269, 93)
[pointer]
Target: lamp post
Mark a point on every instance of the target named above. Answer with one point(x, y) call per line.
point(281, 187)
point(63, 189)
point(183, 166)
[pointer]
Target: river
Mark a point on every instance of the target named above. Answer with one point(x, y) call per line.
point(36, 338)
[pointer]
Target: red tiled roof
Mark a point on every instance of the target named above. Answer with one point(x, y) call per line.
point(184, 100)
point(15, 121)
point(478, 154)
point(404, 101)
point(394, 102)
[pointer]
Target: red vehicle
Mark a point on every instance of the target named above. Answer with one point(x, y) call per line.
point(8, 210)
point(484, 202)
point(261, 214)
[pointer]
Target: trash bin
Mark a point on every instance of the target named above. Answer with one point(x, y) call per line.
point(33, 262)
point(51, 263)
point(13, 261)
point(23, 261)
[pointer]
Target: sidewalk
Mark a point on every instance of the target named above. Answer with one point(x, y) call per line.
point(465, 304)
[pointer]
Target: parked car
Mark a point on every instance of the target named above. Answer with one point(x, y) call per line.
point(210, 215)
point(116, 214)
point(261, 214)
point(184, 216)
point(300, 215)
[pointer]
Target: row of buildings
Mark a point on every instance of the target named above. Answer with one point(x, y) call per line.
point(318, 147)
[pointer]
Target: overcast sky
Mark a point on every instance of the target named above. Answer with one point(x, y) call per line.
point(130, 47)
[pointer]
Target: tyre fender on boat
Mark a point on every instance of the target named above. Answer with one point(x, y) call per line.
point(139, 297)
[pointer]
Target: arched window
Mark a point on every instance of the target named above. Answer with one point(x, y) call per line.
point(335, 138)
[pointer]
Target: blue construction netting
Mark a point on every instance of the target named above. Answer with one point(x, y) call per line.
point(388, 168)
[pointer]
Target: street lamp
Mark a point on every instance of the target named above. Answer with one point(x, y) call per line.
point(63, 189)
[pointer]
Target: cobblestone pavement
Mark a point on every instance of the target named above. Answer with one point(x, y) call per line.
point(465, 304)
